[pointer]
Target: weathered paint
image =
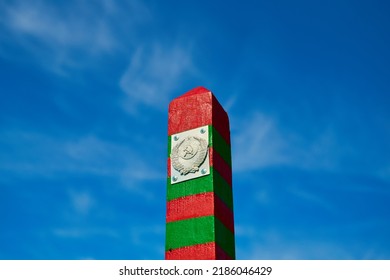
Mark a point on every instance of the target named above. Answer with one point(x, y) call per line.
point(220, 166)
point(197, 231)
point(197, 205)
point(215, 183)
point(220, 145)
point(200, 222)
point(196, 108)
point(190, 232)
point(223, 213)
point(207, 251)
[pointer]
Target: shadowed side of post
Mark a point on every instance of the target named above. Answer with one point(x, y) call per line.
point(199, 218)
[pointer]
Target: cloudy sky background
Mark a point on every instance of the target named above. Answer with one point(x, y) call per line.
point(84, 93)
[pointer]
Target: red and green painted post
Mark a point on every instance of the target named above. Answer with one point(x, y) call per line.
point(199, 220)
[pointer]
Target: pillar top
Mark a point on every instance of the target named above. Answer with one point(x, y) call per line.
point(195, 108)
point(194, 91)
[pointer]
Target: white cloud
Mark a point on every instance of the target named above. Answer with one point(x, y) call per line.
point(229, 104)
point(134, 177)
point(153, 74)
point(311, 198)
point(285, 245)
point(295, 251)
point(257, 144)
point(60, 36)
point(96, 153)
point(77, 232)
point(259, 141)
point(244, 231)
point(48, 156)
point(296, 244)
point(49, 25)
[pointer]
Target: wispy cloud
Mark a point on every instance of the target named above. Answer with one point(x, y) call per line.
point(261, 142)
point(230, 102)
point(49, 156)
point(295, 251)
point(75, 35)
point(311, 198)
point(54, 28)
point(153, 73)
point(281, 244)
point(305, 244)
point(85, 232)
point(258, 143)
point(70, 34)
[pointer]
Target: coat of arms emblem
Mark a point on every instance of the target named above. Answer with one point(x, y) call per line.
point(189, 154)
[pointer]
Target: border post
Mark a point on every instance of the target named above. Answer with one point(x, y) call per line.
point(199, 215)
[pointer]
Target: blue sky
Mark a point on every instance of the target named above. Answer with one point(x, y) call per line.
point(85, 88)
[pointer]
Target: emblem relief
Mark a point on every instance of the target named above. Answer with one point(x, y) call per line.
point(189, 154)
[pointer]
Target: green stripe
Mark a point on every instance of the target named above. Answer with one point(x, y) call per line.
point(189, 187)
point(210, 183)
point(219, 144)
point(190, 232)
point(225, 238)
point(199, 231)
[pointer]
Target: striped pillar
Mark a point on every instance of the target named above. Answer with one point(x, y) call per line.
point(199, 218)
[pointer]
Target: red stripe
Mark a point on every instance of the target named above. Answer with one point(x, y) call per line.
point(199, 205)
point(224, 214)
point(220, 166)
point(191, 206)
point(196, 252)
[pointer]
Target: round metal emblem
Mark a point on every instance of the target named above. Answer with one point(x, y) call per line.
point(189, 154)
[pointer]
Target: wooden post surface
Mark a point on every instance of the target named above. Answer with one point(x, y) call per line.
point(199, 217)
